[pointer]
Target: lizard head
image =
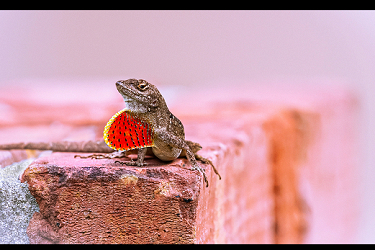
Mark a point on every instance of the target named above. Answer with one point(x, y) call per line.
point(140, 95)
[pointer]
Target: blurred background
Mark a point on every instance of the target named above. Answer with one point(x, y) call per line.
point(190, 48)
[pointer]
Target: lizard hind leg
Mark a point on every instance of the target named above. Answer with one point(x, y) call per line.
point(195, 147)
point(207, 161)
point(193, 162)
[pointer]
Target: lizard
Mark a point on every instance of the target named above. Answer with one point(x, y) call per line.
point(155, 129)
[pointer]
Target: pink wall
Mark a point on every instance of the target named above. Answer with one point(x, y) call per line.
point(203, 47)
point(185, 47)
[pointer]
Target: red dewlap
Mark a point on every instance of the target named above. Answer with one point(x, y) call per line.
point(125, 131)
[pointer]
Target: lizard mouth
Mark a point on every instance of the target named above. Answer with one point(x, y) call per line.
point(134, 101)
point(128, 93)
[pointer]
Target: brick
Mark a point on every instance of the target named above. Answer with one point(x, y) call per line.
point(289, 133)
point(166, 202)
point(75, 103)
point(329, 179)
point(239, 208)
point(314, 137)
point(44, 111)
point(97, 201)
point(11, 156)
point(287, 158)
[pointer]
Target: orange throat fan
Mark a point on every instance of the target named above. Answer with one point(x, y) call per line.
point(126, 131)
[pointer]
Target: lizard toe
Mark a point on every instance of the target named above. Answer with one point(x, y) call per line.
point(203, 173)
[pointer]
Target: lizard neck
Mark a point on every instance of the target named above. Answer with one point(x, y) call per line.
point(158, 116)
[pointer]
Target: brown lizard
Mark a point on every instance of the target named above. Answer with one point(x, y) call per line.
point(147, 109)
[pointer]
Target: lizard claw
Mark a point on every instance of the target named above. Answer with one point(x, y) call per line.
point(203, 173)
point(205, 160)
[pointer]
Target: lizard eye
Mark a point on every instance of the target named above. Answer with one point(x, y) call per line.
point(142, 85)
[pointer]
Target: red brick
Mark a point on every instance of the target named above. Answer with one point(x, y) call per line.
point(287, 158)
point(97, 201)
point(316, 167)
point(219, 213)
point(75, 103)
point(11, 156)
point(239, 208)
point(289, 133)
point(40, 111)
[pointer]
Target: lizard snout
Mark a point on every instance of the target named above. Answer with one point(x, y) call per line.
point(120, 86)
point(119, 83)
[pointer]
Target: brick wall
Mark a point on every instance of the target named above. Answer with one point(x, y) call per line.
point(286, 157)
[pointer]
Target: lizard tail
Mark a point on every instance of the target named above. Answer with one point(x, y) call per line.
point(64, 146)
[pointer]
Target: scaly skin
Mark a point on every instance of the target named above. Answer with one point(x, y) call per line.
point(145, 100)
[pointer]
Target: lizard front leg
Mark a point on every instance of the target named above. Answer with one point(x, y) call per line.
point(140, 160)
point(195, 147)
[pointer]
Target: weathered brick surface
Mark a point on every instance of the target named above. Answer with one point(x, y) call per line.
point(72, 103)
point(240, 207)
point(288, 133)
point(97, 201)
point(329, 179)
point(40, 111)
point(7, 157)
point(287, 158)
point(312, 149)
point(168, 203)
